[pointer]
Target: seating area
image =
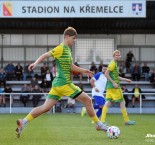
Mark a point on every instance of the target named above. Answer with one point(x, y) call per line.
point(146, 87)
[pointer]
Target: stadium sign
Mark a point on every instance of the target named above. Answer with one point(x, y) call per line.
point(73, 9)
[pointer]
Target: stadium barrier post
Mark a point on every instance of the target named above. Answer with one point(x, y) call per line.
point(10, 103)
point(140, 103)
point(53, 109)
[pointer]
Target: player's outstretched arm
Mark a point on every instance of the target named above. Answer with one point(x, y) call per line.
point(125, 79)
point(40, 59)
point(81, 70)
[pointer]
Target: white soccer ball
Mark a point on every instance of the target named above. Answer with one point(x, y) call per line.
point(113, 132)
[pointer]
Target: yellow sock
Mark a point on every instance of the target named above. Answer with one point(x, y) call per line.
point(29, 117)
point(95, 119)
point(125, 115)
point(104, 113)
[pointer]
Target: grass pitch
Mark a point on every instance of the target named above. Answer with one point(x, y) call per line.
point(72, 129)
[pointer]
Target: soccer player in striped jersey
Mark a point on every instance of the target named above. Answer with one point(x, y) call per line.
point(113, 89)
point(62, 84)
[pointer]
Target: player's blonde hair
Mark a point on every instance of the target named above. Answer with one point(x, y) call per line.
point(70, 31)
point(116, 51)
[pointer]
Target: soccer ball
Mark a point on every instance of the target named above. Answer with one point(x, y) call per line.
point(113, 132)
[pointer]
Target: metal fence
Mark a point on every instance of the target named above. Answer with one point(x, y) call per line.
point(64, 98)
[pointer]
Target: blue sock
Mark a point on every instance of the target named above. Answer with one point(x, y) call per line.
point(99, 112)
point(96, 106)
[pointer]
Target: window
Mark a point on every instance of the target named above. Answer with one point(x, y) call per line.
point(88, 50)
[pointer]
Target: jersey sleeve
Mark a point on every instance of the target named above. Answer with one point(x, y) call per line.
point(56, 52)
point(111, 66)
point(96, 76)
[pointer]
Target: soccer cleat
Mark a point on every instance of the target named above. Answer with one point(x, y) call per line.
point(83, 111)
point(97, 128)
point(104, 127)
point(130, 122)
point(20, 127)
point(105, 123)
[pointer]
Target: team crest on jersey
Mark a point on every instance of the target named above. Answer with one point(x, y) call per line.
point(137, 8)
point(7, 9)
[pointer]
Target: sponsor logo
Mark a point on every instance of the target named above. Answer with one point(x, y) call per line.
point(137, 8)
point(7, 9)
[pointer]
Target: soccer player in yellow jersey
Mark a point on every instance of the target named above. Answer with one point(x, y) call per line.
point(113, 89)
point(62, 84)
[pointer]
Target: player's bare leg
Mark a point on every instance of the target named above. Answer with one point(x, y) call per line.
point(87, 101)
point(21, 123)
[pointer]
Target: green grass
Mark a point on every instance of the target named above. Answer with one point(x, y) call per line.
point(72, 129)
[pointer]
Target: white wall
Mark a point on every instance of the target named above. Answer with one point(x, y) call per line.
point(150, 39)
point(29, 39)
point(135, 39)
point(142, 45)
point(139, 39)
point(55, 39)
